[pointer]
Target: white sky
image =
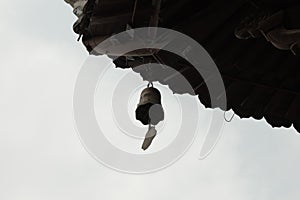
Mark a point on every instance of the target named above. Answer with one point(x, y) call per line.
point(41, 155)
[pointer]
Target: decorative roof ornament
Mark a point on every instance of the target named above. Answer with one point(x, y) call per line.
point(77, 5)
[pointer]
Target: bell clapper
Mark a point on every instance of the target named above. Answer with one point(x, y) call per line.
point(150, 135)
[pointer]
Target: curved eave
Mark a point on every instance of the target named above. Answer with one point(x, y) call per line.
point(260, 80)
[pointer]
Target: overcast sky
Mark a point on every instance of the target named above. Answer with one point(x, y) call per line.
point(41, 154)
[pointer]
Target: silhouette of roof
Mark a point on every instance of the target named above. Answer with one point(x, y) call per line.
point(260, 80)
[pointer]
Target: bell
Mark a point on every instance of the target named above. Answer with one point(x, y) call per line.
point(149, 110)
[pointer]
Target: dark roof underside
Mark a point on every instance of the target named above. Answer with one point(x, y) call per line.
point(260, 80)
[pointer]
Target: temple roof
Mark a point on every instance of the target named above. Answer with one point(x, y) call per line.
point(260, 80)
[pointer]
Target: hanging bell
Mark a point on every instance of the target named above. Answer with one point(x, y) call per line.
point(149, 110)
